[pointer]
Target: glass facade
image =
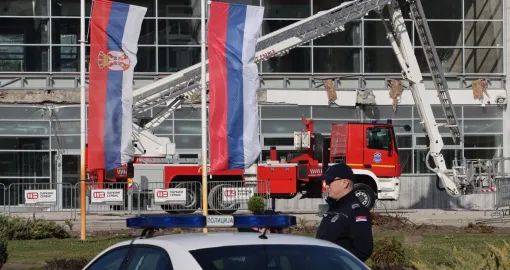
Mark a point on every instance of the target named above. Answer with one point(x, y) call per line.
point(32, 137)
point(42, 36)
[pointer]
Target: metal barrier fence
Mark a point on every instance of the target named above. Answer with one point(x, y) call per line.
point(3, 199)
point(501, 213)
point(40, 197)
point(108, 197)
point(503, 193)
point(225, 197)
point(173, 197)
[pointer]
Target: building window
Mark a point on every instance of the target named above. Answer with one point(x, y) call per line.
point(287, 9)
point(468, 35)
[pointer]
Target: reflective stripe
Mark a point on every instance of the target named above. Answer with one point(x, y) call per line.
point(354, 165)
point(383, 166)
point(373, 165)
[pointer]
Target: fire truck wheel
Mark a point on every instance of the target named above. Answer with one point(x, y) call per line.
point(216, 203)
point(193, 200)
point(365, 195)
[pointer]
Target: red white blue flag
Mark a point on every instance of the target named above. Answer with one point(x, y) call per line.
point(233, 84)
point(114, 32)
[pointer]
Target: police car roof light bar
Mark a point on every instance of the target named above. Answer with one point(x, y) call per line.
point(199, 221)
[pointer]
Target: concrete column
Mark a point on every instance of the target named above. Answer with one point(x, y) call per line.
point(506, 112)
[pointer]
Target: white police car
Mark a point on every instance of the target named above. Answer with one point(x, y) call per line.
point(223, 251)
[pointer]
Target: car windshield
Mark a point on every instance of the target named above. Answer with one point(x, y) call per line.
point(276, 257)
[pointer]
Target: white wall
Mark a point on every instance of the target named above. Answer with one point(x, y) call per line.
point(506, 113)
point(418, 192)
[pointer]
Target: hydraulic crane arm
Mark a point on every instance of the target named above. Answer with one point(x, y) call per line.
point(403, 48)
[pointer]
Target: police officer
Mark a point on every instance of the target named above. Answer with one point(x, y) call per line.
point(347, 222)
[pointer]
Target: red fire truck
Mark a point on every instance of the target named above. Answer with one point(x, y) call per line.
point(369, 148)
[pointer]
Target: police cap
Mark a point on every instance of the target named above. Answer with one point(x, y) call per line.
point(336, 172)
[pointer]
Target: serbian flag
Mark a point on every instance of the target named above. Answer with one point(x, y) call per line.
point(114, 32)
point(233, 84)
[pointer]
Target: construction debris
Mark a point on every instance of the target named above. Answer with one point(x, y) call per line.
point(195, 98)
point(479, 88)
point(365, 97)
point(396, 90)
point(330, 90)
point(39, 97)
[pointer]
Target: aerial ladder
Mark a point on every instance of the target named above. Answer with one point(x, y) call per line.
point(170, 92)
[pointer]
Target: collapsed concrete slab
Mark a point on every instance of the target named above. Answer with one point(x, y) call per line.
point(39, 97)
point(70, 97)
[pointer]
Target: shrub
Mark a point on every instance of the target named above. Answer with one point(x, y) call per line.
point(478, 228)
point(388, 253)
point(305, 227)
point(494, 257)
point(497, 257)
point(256, 204)
point(15, 228)
point(65, 264)
point(4, 255)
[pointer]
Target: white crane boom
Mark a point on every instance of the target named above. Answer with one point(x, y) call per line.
point(403, 48)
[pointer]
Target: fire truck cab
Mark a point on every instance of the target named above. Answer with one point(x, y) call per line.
point(370, 149)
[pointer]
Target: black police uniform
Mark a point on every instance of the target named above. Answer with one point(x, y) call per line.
point(348, 222)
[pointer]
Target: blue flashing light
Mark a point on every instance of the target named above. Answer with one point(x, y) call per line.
point(261, 221)
point(389, 121)
point(212, 221)
point(374, 121)
point(165, 221)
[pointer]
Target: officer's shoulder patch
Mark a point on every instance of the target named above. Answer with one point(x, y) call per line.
point(361, 218)
point(335, 218)
point(355, 206)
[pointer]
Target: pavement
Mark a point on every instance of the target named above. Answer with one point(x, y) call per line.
point(113, 220)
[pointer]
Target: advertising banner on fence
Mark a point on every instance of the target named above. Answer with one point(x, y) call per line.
point(42, 196)
point(170, 196)
point(107, 196)
point(237, 194)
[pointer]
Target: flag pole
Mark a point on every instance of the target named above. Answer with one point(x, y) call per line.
point(82, 121)
point(203, 96)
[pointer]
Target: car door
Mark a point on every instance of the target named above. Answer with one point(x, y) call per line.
point(379, 156)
